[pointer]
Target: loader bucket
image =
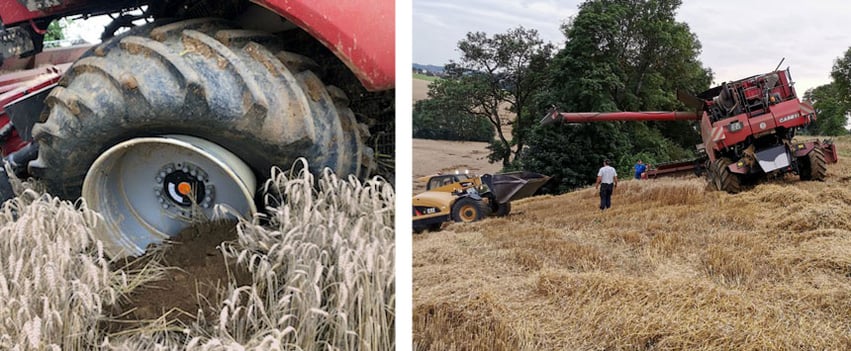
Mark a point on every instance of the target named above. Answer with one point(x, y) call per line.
point(512, 186)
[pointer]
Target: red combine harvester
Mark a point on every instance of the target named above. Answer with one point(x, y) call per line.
point(747, 127)
point(186, 105)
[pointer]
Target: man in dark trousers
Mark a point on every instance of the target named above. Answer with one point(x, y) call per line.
point(607, 180)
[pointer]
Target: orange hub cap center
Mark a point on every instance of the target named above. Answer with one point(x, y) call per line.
point(184, 188)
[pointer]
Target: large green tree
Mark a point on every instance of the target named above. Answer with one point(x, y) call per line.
point(494, 73)
point(620, 55)
point(833, 101)
point(831, 110)
point(437, 118)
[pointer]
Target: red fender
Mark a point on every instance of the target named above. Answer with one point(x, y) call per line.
point(361, 33)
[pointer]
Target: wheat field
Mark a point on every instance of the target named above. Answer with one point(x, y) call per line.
point(671, 266)
point(320, 260)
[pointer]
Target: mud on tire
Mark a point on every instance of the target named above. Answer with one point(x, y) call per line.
point(502, 210)
point(813, 166)
point(721, 177)
point(237, 88)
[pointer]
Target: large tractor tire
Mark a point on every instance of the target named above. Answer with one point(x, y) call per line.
point(502, 210)
point(721, 177)
point(164, 114)
point(813, 166)
point(468, 210)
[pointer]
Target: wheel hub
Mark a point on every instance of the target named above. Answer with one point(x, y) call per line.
point(150, 189)
point(181, 185)
point(468, 213)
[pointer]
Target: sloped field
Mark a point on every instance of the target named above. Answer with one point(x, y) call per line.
point(671, 266)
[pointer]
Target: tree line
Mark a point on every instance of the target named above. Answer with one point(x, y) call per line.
point(618, 55)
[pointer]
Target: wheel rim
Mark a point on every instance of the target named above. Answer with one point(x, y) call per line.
point(468, 213)
point(150, 189)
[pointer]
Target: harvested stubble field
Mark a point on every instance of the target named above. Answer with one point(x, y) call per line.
point(671, 266)
point(316, 272)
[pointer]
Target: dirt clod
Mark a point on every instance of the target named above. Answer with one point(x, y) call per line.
point(197, 273)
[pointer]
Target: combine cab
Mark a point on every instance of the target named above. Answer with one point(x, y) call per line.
point(747, 128)
point(187, 104)
point(467, 198)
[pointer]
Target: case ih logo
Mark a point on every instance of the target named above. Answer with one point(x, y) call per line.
point(788, 118)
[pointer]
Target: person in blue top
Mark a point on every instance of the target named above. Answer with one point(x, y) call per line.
point(640, 168)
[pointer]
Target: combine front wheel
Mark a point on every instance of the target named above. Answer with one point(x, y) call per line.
point(173, 122)
point(722, 178)
point(813, 166)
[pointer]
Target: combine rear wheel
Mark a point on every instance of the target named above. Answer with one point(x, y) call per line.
point(468, 210)
point(721, 177)
point(813, 166)
point(173, 122)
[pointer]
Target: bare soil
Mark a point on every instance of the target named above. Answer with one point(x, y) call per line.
point(197, 274)
point(441, 156)
point(420, 89)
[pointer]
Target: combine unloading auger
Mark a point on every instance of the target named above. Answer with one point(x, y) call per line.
point(747, 128)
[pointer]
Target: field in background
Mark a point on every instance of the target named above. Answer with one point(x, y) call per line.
point(420, 88)
point(425, 77)
point(432, 156)
point(670, 266)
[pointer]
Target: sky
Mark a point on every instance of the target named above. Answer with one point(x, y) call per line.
point(739, 38)
point(89, 29)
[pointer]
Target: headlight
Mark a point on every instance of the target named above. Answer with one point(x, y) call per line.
point(735, 126)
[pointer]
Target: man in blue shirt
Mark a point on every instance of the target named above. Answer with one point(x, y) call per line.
point(640, 167)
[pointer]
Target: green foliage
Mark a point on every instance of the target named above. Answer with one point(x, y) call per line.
point(504, 70)
point(572, 153)
point(55, 30)
point(623, 55)
point(434, 120)
point(841, 75)
point(425, 77)
point(831, 110)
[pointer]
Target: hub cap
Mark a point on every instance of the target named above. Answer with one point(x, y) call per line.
point(150, 189)
point(468, 213)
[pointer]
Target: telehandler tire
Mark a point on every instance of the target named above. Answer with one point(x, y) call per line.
point(232, 97)
point(502, 210)
point(468, 210)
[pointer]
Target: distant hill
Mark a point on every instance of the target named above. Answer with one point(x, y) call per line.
point(430, 68)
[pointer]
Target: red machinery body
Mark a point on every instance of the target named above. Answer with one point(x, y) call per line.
point(18, 86)
point(360, 33)
point(750, 122)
